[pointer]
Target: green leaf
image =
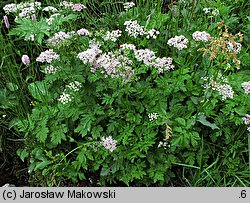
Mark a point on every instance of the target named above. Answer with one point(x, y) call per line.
point(58, 134)
point(181, 121)
point(84, 126)
point(22, 153)
point(202, 119)
point(96, 131)
point(41, 165)
point(38, 90)
point(11, 86)
point(41, 131)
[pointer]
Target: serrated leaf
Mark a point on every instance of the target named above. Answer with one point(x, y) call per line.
point(202, 119)
point(41, 131)
point(58, 134)
point(84, 126)
point(96, 131)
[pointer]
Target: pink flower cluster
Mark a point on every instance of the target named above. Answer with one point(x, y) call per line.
point(89, 56)
point(109, 143)
point(47, 56)
point(60, 37)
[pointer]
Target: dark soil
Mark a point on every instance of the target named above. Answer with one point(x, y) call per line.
point(12, 169)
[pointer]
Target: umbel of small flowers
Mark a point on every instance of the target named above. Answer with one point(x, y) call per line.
point(65, 98)
point(74, 86)
point(109, 143)
point(47, 56)
point(113, 36)
point(224, 89)
point(246, 87)
point(201, 36)
point(50, 69)
point(179, 42)
point(128, 5)
point(153, 116)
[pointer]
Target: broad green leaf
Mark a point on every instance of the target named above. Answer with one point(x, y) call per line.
point(38, 90)
point(202, 119)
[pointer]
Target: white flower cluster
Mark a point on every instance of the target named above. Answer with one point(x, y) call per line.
point(234, 47)
point(246, 120)
point(113, 36)
point(47, 56)
point(50, 8)
point(246, 87)
point(14, 8)
point(153, 116)
point(114, 65)
point(50, 69)
point(225, 90)
point(179, 42)
point(214, 12)
point(152, 33)
point(24, 10)
point(89, 56)
point(149, 58)
point(83, 32)
point(30, 38)
point(128, 5)
point(75, 7)
point(134, 29)
point(52, 18)
point(109, 143)
point(163, 144)
point(128, 46)
point(65, 98)
point(60, 37)
point(201, 36)
point(74, 86)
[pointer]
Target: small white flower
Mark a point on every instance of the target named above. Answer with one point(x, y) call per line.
point(128, 5)
point(50, 8)
point(50, 69)
point(134, 29)
point(65, 98)
point(153, 116)
point(113, 36)
point(74, 86)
